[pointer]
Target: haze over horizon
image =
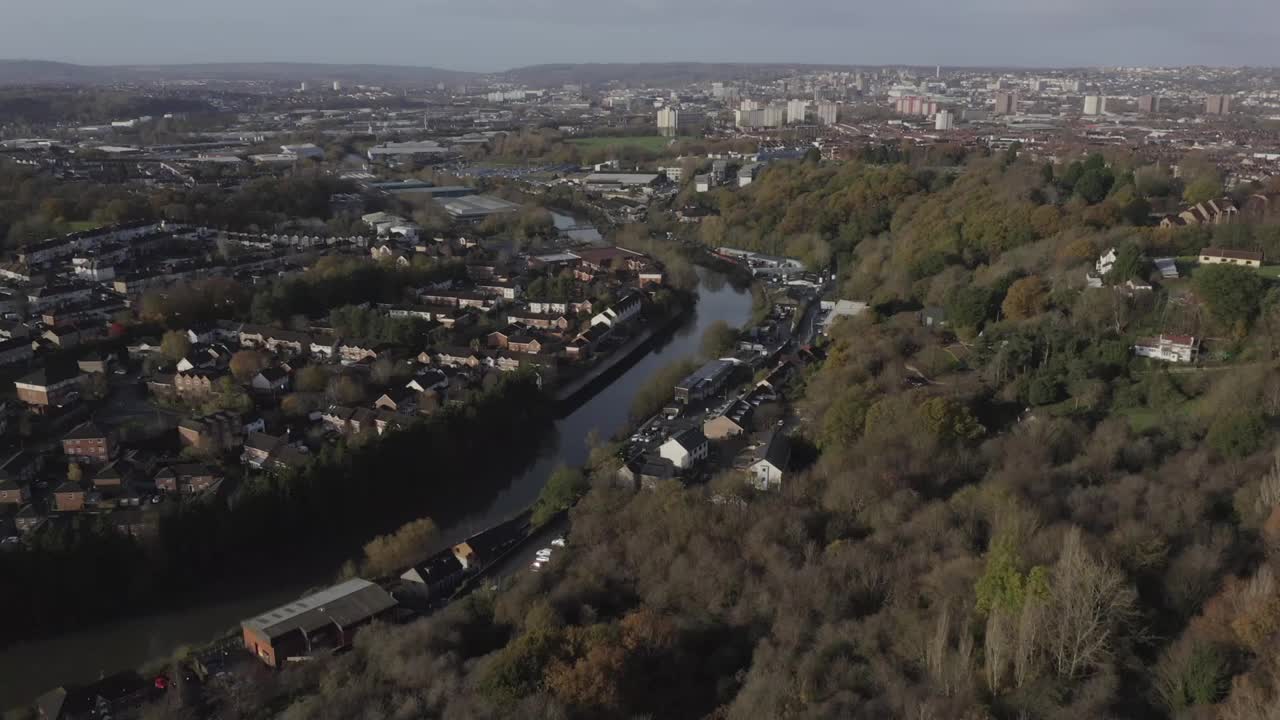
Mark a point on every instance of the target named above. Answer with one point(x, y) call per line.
point(494, 35)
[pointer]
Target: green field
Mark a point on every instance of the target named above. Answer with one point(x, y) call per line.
point(653, 143)
point(81, 225)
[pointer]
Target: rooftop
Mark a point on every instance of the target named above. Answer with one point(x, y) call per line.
point(346, 604)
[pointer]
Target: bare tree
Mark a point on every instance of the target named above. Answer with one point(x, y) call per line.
point(1092, 604)
point(998, 644)
point(1026, 654)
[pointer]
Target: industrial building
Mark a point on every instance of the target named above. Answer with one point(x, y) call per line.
point(705, 381)
point(475, 208)
point(323, 622)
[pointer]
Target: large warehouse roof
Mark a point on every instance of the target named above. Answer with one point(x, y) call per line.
point(347, 604)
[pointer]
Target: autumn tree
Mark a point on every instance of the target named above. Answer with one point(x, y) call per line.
point(388, 554)
point(1026, 299)
point(247, 363)
point(175, 345)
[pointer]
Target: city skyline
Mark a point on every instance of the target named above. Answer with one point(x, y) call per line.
point(986, 33)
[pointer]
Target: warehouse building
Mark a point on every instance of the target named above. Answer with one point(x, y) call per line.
point(323, 622)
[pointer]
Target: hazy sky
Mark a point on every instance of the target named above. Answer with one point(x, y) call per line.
point(497, 34)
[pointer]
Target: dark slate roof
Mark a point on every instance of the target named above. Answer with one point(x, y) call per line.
point(87, 430)
point(777, 450)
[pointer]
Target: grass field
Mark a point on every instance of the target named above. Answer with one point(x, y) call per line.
point(654, 143)
point(81, 225)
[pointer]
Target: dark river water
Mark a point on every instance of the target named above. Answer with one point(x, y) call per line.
point(29, 669)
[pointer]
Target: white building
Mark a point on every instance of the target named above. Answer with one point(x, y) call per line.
point(1095, 105)
point(668, 121)
point(305, 150)
point(797, 111)
point(1105, 262)
point(685, 449)
point(1169, 348)
point(828, 113)
point(944, 120)
point(771, 463)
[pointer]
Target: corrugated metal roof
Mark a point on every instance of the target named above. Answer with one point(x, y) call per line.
point(345, 604)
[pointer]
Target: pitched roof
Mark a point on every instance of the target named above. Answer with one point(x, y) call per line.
point(346, 604)
point(87, 430)
point(1232, 253)
point(690, 438)
point(776, 450)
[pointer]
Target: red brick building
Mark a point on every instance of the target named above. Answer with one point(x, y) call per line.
point(88, 442)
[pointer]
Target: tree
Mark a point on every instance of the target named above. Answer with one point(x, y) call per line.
point(75, 473)
point(388, 554)
point(1026, 298)
point(247, 363)
point(1238, 433)
point(312, 378)
point(1231, 292)
point(845, 418)
point(1201, 190)
point(970, 306)
point(718, 339)
point(1093, 185)
point(562, 490)
point(174, 345)
point(950, 421)
point(1093, 603)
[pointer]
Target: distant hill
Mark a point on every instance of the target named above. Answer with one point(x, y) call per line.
point(38, 72)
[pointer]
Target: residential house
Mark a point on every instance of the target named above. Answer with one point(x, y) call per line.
point(187, 479)
point(93, 363)
point(113, 475)
point(503, 289)
point(1228, 256)
point(50, 387)
point(27, 519)
point(771, 462)
point(258, 448)
point(627, 307)
point(734, 421)
point(554, 322)
point(195, 384)
point(212, 433)
point(271, 380)
point(69, 497)
point(685, 448)
point(89, 442)
point(402, 400)
point(15, 350)
point(1169, 348)
point(524, 344)
point(354, 351)
point(13, 493)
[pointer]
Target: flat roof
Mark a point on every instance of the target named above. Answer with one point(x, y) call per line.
point(344, 604)
point(622, 178)
point(473, 205)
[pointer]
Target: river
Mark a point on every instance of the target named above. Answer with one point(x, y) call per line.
point(28, 669)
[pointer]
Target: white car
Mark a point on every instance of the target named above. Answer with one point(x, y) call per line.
point(558, 542)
